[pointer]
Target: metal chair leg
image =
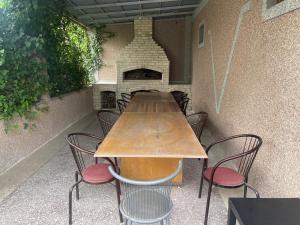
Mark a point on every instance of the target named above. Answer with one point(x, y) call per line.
point(245, 188)
point(118, 189)
point(201, 180)
point(207, 203)
point(70, 201)
point(70, 206)
point(116, 162)
point(77, 186)
point(253, 189)
point(201, 184)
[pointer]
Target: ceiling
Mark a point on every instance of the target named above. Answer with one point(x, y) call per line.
point(93, 12)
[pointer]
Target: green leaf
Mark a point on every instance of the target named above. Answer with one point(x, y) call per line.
point(26, 126)
point(42, 50)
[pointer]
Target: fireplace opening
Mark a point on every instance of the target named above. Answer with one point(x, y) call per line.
point(142, 74)
point(108, 99)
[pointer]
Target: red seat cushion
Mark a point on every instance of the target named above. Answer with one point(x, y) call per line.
point(97, 173)
point(225, 177)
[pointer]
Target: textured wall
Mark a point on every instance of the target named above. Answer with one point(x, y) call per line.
point(262, 92)
point(112, 48)
point(168, 33)
point(62, 113)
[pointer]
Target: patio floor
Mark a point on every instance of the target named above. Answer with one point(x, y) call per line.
point(43, 198)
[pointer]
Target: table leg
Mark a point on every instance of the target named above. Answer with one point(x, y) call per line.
point(231, 217)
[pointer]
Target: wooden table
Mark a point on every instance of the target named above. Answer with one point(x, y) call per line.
point(151, 136)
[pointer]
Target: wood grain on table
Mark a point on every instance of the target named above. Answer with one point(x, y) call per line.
point(150, 137)
point(159, 135)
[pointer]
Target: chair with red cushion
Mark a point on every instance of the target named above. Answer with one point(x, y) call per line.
point(221, 175)
point(90, 171)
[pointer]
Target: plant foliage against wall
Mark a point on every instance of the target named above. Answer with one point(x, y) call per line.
point(22, 72)
point(42, 50)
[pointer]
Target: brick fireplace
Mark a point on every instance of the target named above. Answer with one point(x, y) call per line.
point(142, 64)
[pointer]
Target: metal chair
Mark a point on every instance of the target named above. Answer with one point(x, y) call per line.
point(153, 90)
point(122, 104)
point(179, 95)
point(197, 122)
point(107, 119)
point(183, 103)
point(146, 202)
point(88, 168)
point(150, 90)
point(126, 97)
point(221, 175)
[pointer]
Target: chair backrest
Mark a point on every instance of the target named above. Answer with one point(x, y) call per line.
point(107, 119)
point(134, 92)
point(153, 90)
point(150, 90)
point(183, 103)
point(252, 144)
point(144, 194)
point(248, 146)
point(82, 145)
point(179, 96)
point(122, 104)
point(126, 97)
point(174, 93)
point(197, 122)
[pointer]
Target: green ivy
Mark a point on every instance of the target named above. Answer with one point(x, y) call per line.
point(23, 78)
point(43, 50)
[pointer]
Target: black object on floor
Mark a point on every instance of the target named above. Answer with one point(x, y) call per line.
point(264, 211)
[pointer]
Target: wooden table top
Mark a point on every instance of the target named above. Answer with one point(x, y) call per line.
point(156, 96)
point(152, 106)
point(162, 133)
point(153, 102)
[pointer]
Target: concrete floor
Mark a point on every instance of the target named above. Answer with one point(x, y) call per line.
point(43, 197)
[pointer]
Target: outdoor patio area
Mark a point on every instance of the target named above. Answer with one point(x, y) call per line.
point(43, 197)
point(135, 112)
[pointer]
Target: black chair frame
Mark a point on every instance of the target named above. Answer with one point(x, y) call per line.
point(122, 104)
point(199, 125)
point(179, 95)
point(126, 97)
point(183, 103)
point(150, 90)
point(78, 152)
point(247, 157)
point(105, 123)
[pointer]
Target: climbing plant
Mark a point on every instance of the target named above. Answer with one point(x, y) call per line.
point(23, 79)
point(42, 49)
